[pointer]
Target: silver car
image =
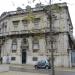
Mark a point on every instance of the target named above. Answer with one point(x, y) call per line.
point(43, 64)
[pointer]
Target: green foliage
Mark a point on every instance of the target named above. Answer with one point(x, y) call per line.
point(30, 16)
point(56, 8)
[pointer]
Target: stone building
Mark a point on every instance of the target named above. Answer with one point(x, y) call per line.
point(26, 41)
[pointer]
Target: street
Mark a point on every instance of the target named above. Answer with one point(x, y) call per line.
point(28, 73)
point(6, 70)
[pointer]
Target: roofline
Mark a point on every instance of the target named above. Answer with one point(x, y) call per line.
point(11, 13)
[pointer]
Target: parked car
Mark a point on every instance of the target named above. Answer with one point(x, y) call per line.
point(42, 64)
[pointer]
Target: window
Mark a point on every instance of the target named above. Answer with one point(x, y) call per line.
point(24, 43)
point(14, 46)
point(48, 43)
point(0, 30)
point(35, 44)
point(36, 22)
point(35, 50)
point(25, 24)
point(0, 51)
point(4, 26)
point(15, 23)
point(13, 51)
point(35, 58)
point(13, 58)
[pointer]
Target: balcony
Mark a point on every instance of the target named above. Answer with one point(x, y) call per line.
point(34, 31)
point(13, 32)
point(24, 31)
point(4, 34)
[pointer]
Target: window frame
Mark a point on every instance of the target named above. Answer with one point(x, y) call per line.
point(15, 23)
point(14, 43)
point(35, 58)
point(13, 58)
point(36, 22)
point(35, 41)
point(25, 23)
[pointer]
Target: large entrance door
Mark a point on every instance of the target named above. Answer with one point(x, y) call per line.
point(24, 56)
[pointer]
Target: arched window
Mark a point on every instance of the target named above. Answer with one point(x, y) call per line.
point(14, 45)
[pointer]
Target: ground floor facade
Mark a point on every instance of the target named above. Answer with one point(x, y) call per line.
point(30, 49)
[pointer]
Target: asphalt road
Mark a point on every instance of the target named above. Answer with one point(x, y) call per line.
point(41, 71)
point(24, 71)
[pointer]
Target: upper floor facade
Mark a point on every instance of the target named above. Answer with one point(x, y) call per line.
point(20, 22)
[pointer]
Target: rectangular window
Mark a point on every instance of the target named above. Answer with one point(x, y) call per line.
point(35, 58)
point(35, 44)
point(4, 26)
point(13, 58)
point(15, 23)
point(14, 51)
point(0, 41)
point(14, 45)
point(35, 50)
point(0, 30)
point(25, 24)
point(48, 44)
point(36, 22)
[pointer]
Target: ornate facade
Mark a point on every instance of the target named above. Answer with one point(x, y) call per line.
point(27, 41)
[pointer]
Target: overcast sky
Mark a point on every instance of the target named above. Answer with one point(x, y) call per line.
point(11, 5)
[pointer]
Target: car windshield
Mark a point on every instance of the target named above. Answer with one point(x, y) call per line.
point(42, 62)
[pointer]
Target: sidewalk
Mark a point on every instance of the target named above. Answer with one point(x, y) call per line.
point(31, 67)
point(64, 69)
point(4, 68)
point(19, 73)
point(27, 66)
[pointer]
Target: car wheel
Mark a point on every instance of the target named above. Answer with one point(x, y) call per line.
point(46, 67)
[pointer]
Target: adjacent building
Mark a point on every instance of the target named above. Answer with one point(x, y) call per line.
point(24, 35)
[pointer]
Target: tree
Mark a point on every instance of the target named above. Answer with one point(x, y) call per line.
point(49, 11)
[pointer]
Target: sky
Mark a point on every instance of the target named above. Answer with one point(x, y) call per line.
point(11, 5)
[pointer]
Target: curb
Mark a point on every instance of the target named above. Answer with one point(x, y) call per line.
point(65, 69)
